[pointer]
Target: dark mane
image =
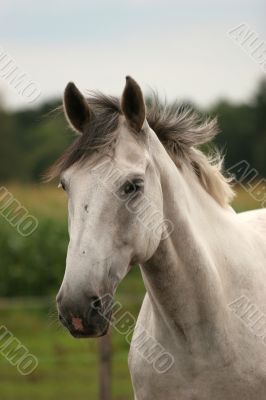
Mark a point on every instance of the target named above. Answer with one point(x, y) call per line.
point(179, 129)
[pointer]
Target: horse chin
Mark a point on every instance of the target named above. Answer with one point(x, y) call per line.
point(89, 333)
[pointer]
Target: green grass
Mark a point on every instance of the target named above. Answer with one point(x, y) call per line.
point(67, 368)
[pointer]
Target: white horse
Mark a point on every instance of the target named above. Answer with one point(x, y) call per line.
point(140, 192)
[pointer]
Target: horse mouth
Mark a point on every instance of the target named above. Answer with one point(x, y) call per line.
point(89, 334)
point(92, 324)
point(86, 331)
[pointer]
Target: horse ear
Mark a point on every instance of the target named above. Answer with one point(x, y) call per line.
point(133, 105)
point(76, 108)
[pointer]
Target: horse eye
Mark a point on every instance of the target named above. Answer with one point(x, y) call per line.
point(132, 186)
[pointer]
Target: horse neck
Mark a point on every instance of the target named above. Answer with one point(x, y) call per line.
point(181, 278)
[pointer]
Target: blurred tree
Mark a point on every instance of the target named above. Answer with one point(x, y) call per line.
point(30, 141)
point(243, 130)
point(258, 149)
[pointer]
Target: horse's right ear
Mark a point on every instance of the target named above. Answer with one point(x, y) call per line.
point(76, 108)
point(133, 105)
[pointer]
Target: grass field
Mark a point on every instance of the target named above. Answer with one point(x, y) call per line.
point(68, 368)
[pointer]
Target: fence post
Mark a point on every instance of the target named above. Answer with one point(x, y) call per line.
point(105, 352)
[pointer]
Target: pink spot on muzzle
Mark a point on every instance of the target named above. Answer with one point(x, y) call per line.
point(77, 324)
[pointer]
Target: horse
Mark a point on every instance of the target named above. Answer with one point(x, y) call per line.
point(141, 192)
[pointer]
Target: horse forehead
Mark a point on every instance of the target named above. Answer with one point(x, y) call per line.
point(128, 155)
point(130, 149)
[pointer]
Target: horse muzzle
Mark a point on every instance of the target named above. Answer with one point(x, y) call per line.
point(84, 319)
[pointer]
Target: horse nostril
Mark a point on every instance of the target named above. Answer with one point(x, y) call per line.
point(96, 305)
point(96, 302)
point(62, 320)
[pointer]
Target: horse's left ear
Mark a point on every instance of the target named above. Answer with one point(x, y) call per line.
point(133, 105)
point(76, 108)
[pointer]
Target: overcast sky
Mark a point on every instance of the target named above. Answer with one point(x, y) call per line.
point(181, 48)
